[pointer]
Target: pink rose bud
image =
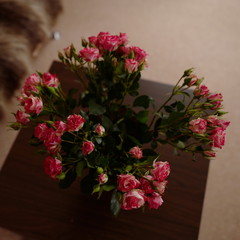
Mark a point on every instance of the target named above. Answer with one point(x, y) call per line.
point(41, 131)
point(100, 130)
point(201, 91)
point(146, 185)
point(102, 178)
point(160, 170)
point(131, 65)
point(22, 117)
point(160, 186)
point(198, 125)
point(194, 79)
point(218, 136)
point(67, 51)
point(60, 126)
point(136, 152)
point(50, 80)
point(155, 201)
point(89, 54)
point(33, 105)
point(87, 147)
point(133, 199)
point(52, 167)
point(209, 153)
point(75, 122)
point(127, 182)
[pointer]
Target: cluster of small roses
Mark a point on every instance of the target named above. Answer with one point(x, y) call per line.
point(51, 137)
point(212, 127)
point(29, 99)
point(104, 42)
point(148, 189)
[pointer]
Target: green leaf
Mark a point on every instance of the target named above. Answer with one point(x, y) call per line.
point(115, 203)
point(107, 123)
point(96, 188)
point(108, 188)
point(142, 116)
point(154, 144)
point(96, 109)
point(180, 106)
point(61, 176)
point(69, 179)
point(79, 168)
point(168, 109)
point(142, 101)
point(180, 145)
point(98, 140)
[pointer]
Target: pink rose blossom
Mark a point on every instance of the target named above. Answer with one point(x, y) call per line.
point(154, 201)
point(87, 147)
point(127, 182)
point(218, 136)
point(146, 185)
point(22, 117)
point(133, 199)
point(60, 126)
point(198, 125)
point(201, 91)
point(108, 42)
point(33, 79)
point(102, 178)
point(125, 50)
point(30, 84)
point(93, 40)
point(160, 170)
point(216, 105)
point(75, 122)
point(131, 65)
point(136, 152)
point(139, 54)
point(214, 121)
point(215, 97)
point(209, 153)
point(89, 54)
point(160, 186)
point(41, 131)
point(123, 38)
point(52, 167)
point(33, 105)
point(100, 130)
point(223, 123)
point(50, 80)
point(52, 141)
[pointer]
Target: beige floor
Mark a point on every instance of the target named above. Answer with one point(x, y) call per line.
point(177, 35)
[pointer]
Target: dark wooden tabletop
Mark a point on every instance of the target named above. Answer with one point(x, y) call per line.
point(31, 204)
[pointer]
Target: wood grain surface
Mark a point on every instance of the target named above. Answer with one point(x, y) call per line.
point(32, 205)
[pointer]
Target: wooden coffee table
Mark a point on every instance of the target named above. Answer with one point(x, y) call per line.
point(33, 205)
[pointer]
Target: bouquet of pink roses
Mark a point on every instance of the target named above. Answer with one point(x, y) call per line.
point(111, 144)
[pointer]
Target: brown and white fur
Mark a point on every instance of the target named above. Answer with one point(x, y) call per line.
point(25, 26)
